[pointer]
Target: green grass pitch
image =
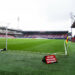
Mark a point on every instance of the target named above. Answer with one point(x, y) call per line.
point(24, 57)
point(36, 45)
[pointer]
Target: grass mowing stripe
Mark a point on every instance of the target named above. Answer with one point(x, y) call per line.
point(36, 45)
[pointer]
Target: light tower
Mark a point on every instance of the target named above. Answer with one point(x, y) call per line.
point(18, 20)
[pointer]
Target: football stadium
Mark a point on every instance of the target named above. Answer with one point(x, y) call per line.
point(21, 52)
point(37, 37)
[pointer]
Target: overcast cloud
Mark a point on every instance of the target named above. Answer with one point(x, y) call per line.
point(37, 15)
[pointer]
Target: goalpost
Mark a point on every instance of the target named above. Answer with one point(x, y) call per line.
point(6, 37)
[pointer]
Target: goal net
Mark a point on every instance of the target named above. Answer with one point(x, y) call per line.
point(2, 38)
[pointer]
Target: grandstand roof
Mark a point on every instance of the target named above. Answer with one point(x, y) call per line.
point(46, 32)
point(73, 25)
point(4, 28)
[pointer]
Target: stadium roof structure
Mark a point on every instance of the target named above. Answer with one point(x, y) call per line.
point(46, 32)
point(4, 28)
point(29, 32)
point(73, 25)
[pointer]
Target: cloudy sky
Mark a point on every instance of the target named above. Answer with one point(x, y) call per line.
point(37, 15)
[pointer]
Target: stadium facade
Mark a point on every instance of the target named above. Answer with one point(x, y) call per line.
point(73, 31)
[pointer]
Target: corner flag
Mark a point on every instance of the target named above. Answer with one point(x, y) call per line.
point(66, 45)
point(67, 40)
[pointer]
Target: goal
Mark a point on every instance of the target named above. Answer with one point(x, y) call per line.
point(3, 38)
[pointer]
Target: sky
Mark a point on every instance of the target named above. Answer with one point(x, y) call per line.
point(37, 15)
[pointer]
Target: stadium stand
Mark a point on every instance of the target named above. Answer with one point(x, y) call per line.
point(11, 33)
point(33, 34)
point(49, 35)
point(9, 36)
